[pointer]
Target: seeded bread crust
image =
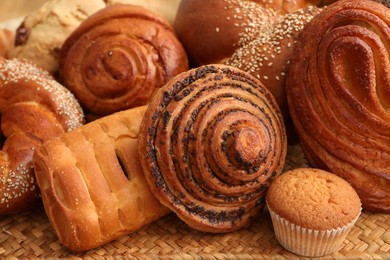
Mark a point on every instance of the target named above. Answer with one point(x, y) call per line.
point(34, 108)
point(257, 37)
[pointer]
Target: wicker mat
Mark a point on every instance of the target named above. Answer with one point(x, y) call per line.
point(29, 235)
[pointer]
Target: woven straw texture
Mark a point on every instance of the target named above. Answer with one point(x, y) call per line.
point(29, 235)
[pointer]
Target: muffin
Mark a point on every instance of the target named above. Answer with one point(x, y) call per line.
point(312, 211)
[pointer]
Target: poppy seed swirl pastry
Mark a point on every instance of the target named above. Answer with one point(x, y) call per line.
point(34, 108)
point(213, 140)
point(339, 96)
point(118, 57)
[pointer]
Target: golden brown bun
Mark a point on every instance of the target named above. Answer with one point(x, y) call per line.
point(214, 138)
point(339, 96)
point(34, 108)
point(92, 184)
point(119, 57)
point(248, 35)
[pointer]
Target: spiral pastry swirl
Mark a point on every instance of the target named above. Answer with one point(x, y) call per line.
point(118, 57)
point(339, 96)
point(213, 137)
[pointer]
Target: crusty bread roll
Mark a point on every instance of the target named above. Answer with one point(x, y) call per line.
point(42, 33)
point(92, 184)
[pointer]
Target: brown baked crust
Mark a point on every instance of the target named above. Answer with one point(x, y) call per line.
point(255, 36)
point(34, 108)
point(118, 57)
point(314, 199)
point(214, 138)
point(92, 184)
point(339, 96)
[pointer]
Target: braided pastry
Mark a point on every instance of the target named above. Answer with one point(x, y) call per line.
point(92, 183)
point(118, 57)
point(213, 138)
point(339, 96)
point(34, 107)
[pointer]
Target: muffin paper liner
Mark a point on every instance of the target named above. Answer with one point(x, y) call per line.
point(309, 242)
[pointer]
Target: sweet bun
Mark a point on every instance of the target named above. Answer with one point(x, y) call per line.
point(34, 108)
point(118, 58)
point(339, 96)
point(213, 139)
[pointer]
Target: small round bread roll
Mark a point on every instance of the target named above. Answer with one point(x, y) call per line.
point(312, 210)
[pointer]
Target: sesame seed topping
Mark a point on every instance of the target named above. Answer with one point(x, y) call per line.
point(14, 71)
point(19, 181)
point(264, 34)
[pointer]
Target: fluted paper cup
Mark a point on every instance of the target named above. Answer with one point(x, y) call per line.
point(308, 242)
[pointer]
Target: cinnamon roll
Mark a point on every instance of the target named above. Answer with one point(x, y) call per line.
point(339, 96)
point(213, 140)
point(118, 57)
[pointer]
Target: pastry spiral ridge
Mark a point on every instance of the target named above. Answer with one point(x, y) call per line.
point(339, 96)
point(214, 140)
point(118, 57)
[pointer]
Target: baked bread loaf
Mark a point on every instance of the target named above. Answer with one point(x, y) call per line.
point(249, 35)
point(41, 34)
point(214, 138)
point(119, 57)
point(92, 184)
point(339, 96)
point(34, 108)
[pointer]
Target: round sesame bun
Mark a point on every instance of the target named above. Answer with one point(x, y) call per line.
point(309, 204)
point(255, 37)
